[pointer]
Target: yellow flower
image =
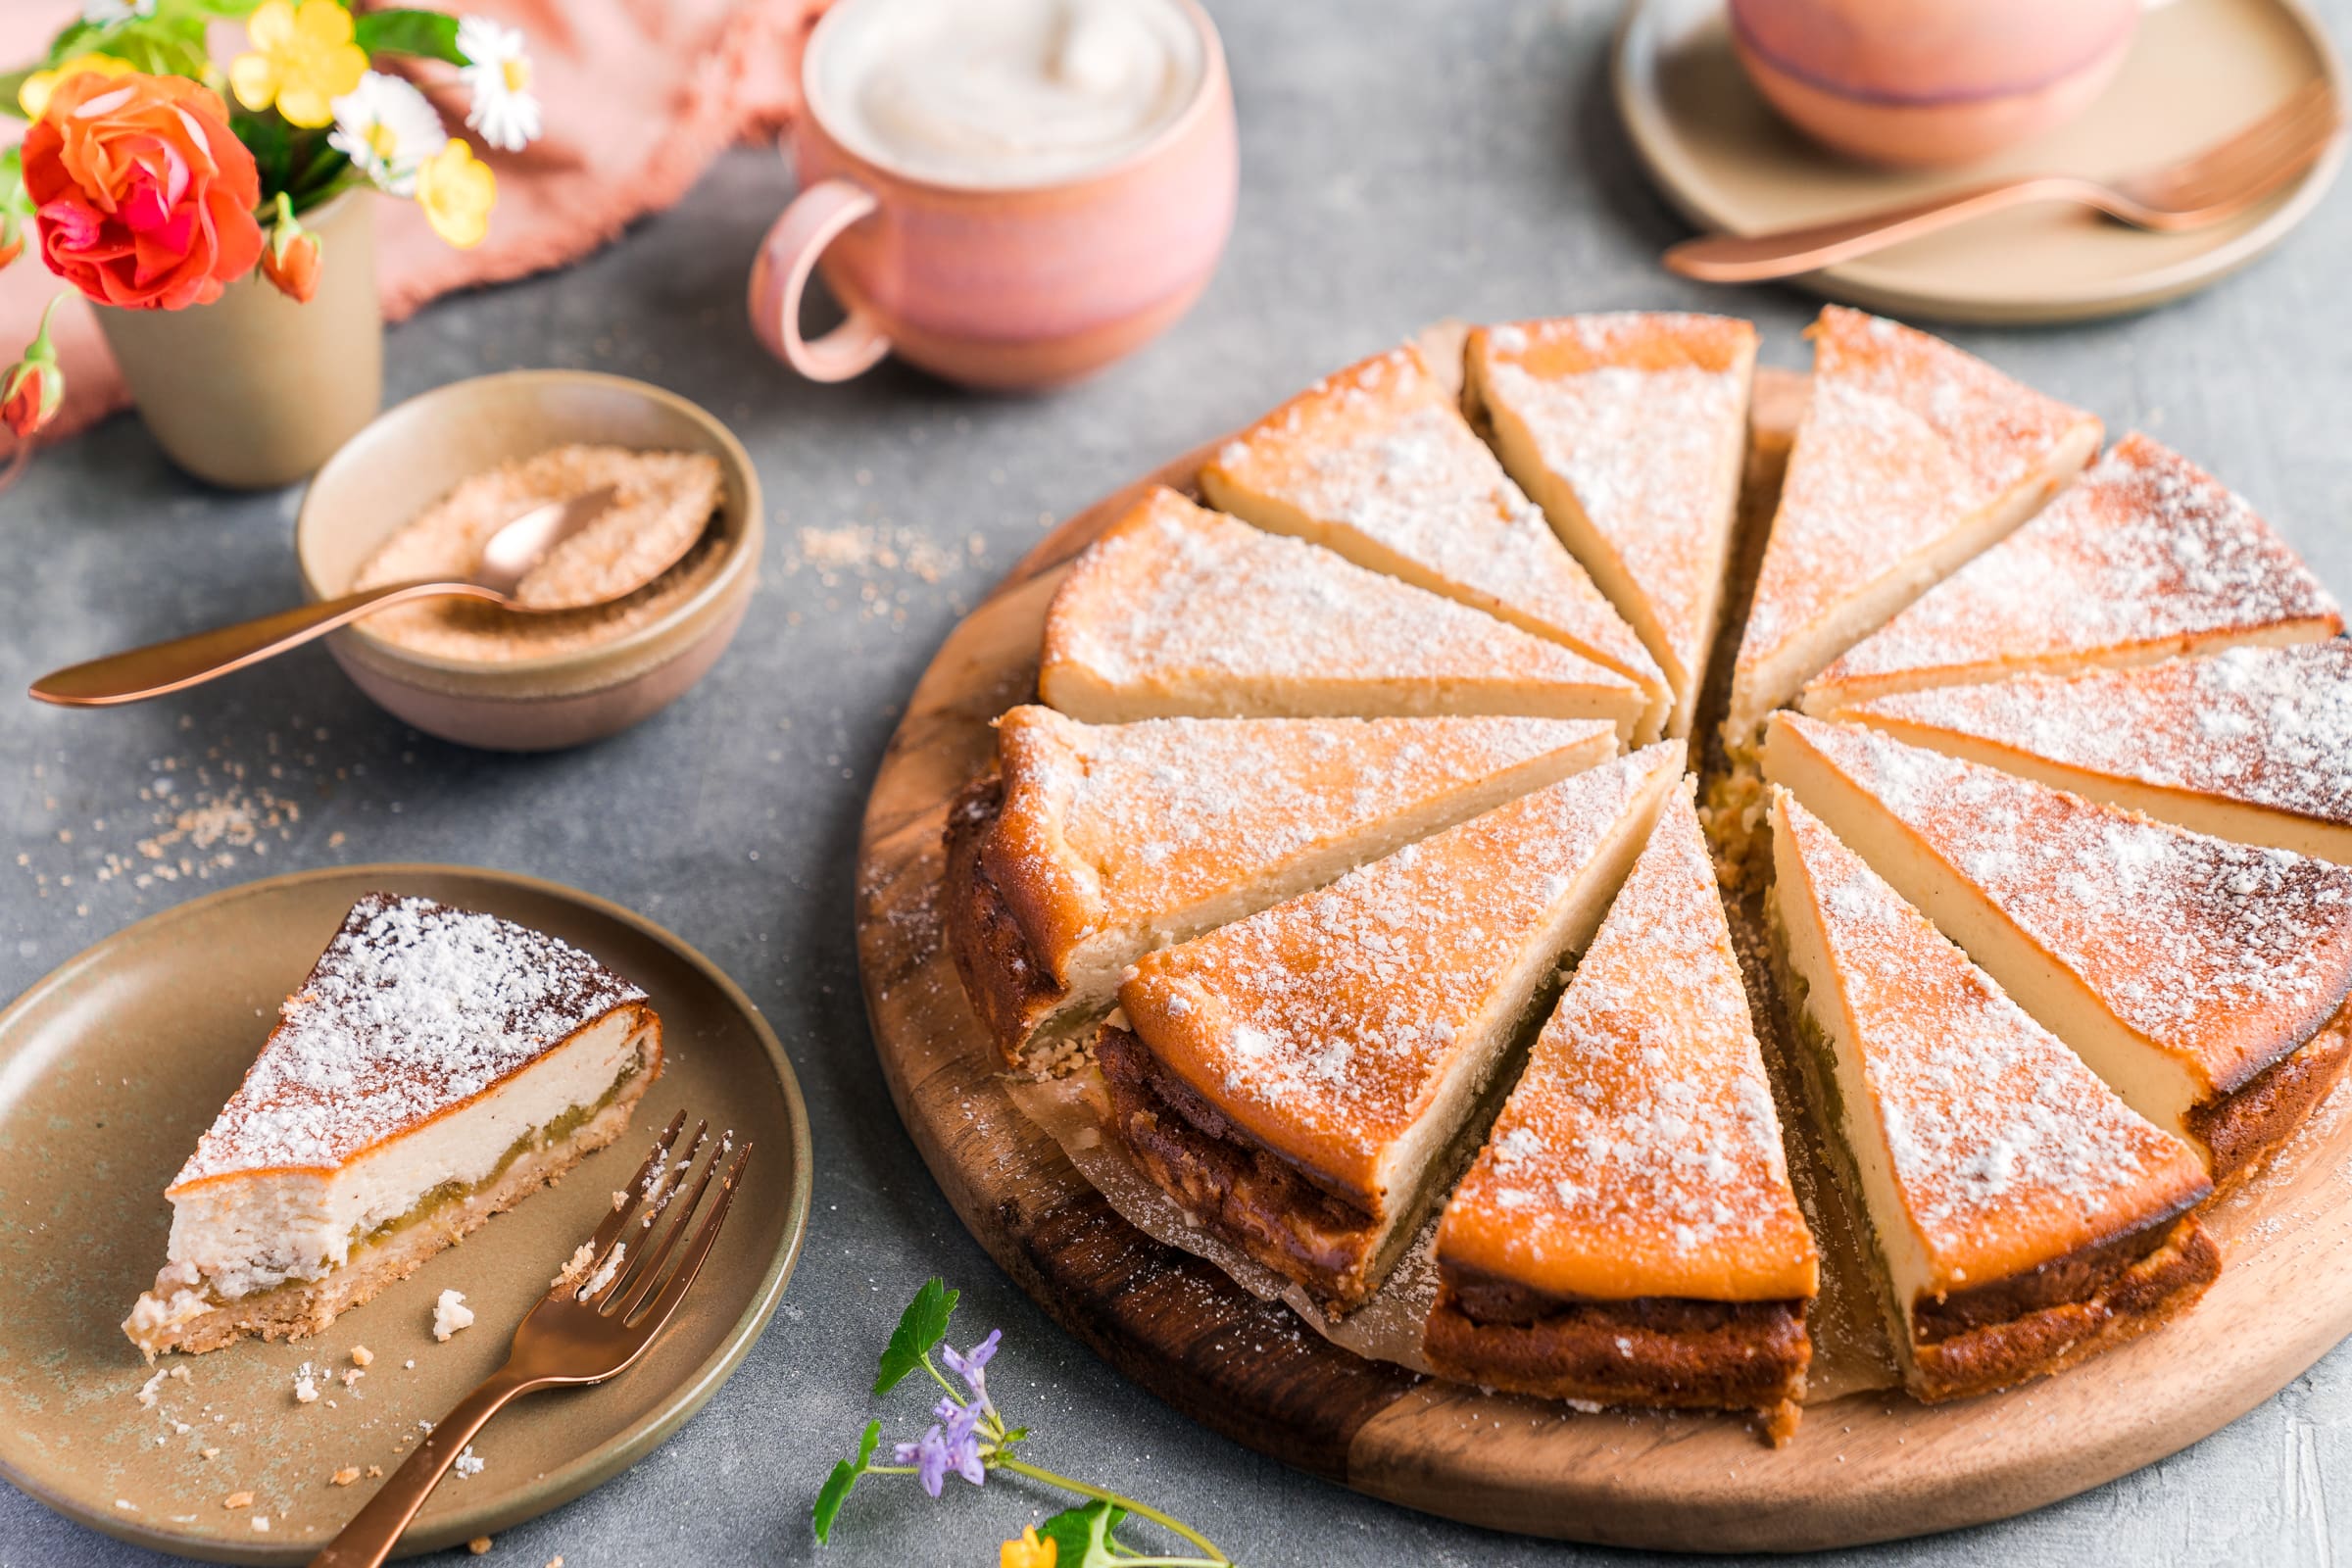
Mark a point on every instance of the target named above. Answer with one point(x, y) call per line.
point(1028, 1551)
point(34, 96)
point(302, 60)
point(456, 191)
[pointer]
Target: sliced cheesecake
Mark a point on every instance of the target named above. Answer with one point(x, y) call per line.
point(2253, 744)
point(1627, 1234)
point(2205, 980)
point(1304, 1081)
point(1179, 612)
point(437, 1066)
point(2147, 556)
point(2023, 1216)
point(1628, 431)
point(1912, 457)
point(1377, 464)
point(1094, 844)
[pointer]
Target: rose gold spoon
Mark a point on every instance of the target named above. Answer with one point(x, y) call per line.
point(513, 552)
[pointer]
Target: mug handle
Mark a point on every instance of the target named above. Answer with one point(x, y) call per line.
point(780, 275)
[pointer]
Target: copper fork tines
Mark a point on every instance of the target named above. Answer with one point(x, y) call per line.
point(602, 1313)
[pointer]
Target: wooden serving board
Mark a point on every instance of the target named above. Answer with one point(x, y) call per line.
point(1866, 1467)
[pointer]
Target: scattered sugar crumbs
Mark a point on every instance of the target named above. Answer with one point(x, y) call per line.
point(882, 560)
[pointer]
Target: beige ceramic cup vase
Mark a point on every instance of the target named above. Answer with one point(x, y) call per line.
point(1012, 287)
point(254, 390)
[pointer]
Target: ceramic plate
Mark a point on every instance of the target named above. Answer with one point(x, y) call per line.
point(2199, 70)
point(112, 1065)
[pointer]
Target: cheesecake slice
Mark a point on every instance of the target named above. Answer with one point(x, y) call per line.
point(2253, 744)
point(1912, 457)
point(1094, 844)
point(1179, 612)
point(437, 1066)
point(1628, 431)
point(2023, 1216)
point(1627, 1234)
point(1304, 1081)
point(1377, 464)
point(2205, 980)
point(2147, 556)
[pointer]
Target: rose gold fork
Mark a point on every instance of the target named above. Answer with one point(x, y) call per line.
point(595, 1322)
point(2220, 182)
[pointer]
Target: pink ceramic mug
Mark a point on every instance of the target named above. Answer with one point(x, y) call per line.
point(1017, 287)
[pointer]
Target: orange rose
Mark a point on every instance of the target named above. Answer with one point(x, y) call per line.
point(142, 196)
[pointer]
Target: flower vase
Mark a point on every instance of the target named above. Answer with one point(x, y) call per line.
point(255, 390)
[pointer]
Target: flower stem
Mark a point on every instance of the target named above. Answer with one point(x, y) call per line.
point(1143, 1511)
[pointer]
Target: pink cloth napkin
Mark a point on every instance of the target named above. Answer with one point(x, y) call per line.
point(640, 96)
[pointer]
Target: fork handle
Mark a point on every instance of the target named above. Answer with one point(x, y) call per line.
point(1784, 253)
point(376, 1530)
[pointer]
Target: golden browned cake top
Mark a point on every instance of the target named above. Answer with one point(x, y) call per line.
point(2268, 726)
point(1175, 590)
point(2224, 955)
point(2145, 550)
point(1323, 1026)
point(414, 1007)
point(2006, 1150)
point(1382, 448)
point(1639, 1154)
point(1906, 439)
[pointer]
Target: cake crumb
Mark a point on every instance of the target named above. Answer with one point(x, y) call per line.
point(410, 1365)
point(466, 1464)
point(574, 1266)
point(238, 1499)
point(306, 1384)
point(345, 1476)
point(207, 1453)
point(478, 1544)
point(126, 1506)
point(350, 1379)
point(450, 1314)
point(361, 1355)
point(375, 1470)
point(556, 1561)
point(261, 1521)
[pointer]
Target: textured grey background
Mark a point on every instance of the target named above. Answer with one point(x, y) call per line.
point(1401, 162)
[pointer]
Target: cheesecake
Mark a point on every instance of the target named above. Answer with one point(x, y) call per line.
point(1378, 464)
point(1179, 612)
point(1629, 432)
point(1304, 1082)
point(2205, 980)
point(438, 1066)
point(2022, 1216)
point(2253, 744)
point(2146, 557)
point(1627, 1234)
point(1091, 845)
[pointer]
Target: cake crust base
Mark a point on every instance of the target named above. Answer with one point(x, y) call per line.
point(2244, 1128)
point(1007, 985)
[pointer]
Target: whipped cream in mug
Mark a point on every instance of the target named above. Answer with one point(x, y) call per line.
point(996, 93)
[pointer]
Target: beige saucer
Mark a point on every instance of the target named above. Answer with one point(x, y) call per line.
point(2199, 70)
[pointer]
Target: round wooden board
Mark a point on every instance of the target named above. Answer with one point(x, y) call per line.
point(1867, 1467)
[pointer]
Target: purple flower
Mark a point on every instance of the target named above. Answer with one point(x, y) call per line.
point(953, 1444)
point(968, 1366)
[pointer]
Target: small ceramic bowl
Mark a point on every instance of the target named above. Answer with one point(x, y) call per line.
point(417, 453)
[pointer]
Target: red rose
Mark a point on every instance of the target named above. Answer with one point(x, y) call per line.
point(142, 196)
point(30, 396)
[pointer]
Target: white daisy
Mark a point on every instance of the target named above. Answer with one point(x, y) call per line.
point(386, 127)
point(498, 74)
point(113, 13)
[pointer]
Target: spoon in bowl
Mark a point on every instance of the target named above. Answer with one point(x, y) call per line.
point(518, 546)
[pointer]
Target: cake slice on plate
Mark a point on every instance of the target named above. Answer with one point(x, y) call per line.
point(1094, 844)
point(1377, 464)
point(2023, 1216)
point(437, 1066)
point(2205, 980)
point(1180, 612)
point(2147, 556)
point(1627, 1234)
point(2253, 744)
point(1629, 432)
point(1304, 1082)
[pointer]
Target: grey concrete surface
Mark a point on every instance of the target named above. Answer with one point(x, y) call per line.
point(1401, 162)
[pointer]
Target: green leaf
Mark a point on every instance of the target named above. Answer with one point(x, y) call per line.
point(836, 1490)
point(1081, 1537)
point(429, 34)
point(921, 1326)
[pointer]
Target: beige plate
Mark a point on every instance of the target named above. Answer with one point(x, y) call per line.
point(112, 1065)
point(2199, 70)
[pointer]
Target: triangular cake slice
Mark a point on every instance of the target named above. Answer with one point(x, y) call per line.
point(1177, 612)
point(1304, 1081)
point(2147, 556)
point(2205, 980)
point(1094, 843)
point(1627, 1234)
point(1378, 464)
point(1912, 457)
point(2023, 1216)
point(1629, 432)
point(436, 1067)
point(2253, 744)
